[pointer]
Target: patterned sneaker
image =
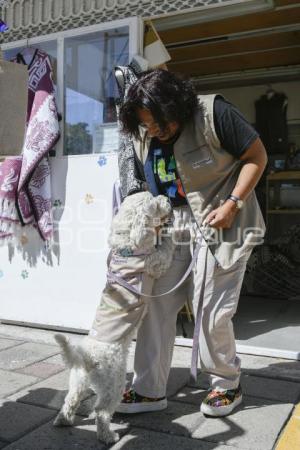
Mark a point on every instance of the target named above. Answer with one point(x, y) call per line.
point(132, 403)
point(221, 403)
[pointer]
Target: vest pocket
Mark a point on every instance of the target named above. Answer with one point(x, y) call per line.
point(198, 157)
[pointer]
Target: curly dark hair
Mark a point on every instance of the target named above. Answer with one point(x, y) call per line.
point(164, 95)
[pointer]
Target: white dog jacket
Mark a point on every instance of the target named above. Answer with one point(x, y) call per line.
point(120, 311)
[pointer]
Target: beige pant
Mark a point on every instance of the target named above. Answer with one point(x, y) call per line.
point(156, 336)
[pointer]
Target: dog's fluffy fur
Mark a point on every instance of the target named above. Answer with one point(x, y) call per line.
point(100, 365)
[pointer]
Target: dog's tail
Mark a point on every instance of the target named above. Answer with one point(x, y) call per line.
point(70, 353)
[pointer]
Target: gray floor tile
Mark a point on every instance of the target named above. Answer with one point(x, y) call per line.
point(273, 389)
point(25, 354)
point(271, 367)
point(42, 369)
point(11, 382)
point(32, 334)
point(50, 393)
point(139, 439)
point(192, 395)
point(47, 393)
point(7, 343)
point(17, 419)
point(179, 418)
point(82, 436)
point(256, 425)
point(256, 386)
point(56, 359)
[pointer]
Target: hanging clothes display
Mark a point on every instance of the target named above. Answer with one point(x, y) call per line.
point(271, 121)
point(25, 188)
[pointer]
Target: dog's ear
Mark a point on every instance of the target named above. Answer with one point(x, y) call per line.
point(142, 235)
point(150, 208)
point(163, 205)
point(157, 207)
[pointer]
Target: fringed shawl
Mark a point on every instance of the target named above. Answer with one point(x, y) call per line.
point(25, 188)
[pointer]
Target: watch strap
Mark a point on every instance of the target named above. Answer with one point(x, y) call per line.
point(234, 198)
point(238, 202)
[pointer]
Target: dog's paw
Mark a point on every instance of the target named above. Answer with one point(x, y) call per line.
point(154, 271)
point(110, 437)
point(157, 268)
point(62, 421)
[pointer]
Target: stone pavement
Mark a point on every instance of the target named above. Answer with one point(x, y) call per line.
point(34, 382)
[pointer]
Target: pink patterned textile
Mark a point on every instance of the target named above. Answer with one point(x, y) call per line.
point(25, 184)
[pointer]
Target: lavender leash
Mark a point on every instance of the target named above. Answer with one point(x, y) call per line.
point(113, 278)
point(196, 336)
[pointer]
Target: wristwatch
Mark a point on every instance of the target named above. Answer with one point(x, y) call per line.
point(238, 202)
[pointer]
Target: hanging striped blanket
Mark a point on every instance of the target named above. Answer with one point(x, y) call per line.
point(25, 184)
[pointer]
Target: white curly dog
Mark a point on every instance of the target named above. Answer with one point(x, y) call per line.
point(100, 365)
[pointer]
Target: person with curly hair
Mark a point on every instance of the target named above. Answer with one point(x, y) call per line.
point(206, 158)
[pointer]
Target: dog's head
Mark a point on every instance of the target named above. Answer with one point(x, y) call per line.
point(135, 226)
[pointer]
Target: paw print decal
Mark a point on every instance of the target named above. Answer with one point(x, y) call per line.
point(24, 239)
point(24, 274)
point(57, 203)
point(102, 161)
point(89, 199)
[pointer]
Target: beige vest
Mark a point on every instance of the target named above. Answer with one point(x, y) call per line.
point(209, 174)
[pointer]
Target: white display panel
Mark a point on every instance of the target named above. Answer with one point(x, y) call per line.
point(66, 294)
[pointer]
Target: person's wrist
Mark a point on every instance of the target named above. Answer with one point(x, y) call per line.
point(237, 200)
point(230, 205)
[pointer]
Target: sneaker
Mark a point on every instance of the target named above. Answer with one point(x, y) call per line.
point(221, 403)
point(132, 403)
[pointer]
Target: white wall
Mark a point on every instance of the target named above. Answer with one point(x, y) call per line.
point(66, 293)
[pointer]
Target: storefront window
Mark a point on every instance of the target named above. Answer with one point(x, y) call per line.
point(83, 64)
point(90, 90)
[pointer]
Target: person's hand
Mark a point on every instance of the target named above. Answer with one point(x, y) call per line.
point(163, 221)
point(223, 216)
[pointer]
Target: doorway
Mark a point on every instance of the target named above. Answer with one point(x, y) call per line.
point(242, 57)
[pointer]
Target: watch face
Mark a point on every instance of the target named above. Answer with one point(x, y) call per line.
point(239, 204)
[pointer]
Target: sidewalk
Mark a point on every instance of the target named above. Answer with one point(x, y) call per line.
point(34, 382)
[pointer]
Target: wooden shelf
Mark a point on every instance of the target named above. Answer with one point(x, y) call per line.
point(285, 175)
point(283, 211)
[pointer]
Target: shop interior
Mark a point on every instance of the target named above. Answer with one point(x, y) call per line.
point(254, 62)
